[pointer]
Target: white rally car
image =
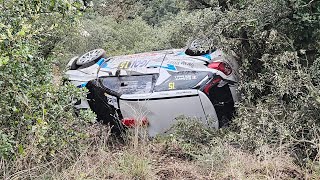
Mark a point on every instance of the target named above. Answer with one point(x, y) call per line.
point(152, 89)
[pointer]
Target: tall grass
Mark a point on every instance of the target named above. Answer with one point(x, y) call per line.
point(165, 157)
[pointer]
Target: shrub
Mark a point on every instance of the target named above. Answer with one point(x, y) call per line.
point(36, 115)
point(6, 145)
point(315, 72)
point(105, 32)
point(191, 130)
point(277, 42)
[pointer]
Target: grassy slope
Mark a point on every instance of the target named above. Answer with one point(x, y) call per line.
point(103, 157)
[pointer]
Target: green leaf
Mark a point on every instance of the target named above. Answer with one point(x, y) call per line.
point(21, 33)
point(21, 149)
point(9, 33)
point(4, 61)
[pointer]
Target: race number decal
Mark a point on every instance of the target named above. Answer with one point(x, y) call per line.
point(124, 65)
point(171, 86)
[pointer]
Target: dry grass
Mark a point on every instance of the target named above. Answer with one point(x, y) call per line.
point(173, 163)
point(236, 164)
point(141, 158)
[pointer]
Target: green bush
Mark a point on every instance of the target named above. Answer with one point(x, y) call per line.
point(107, 33)
point(6, 145)
point(315, 72)
point(36, 114)
point(191, 130)
point(277, 42)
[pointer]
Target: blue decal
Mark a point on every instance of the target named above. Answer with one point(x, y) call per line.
point(82, 85)
point(105, 65)
point(181, 54)
point(100, 61)
point(207, 56)
point(169, 67)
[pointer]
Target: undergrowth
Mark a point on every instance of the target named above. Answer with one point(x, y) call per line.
point(274, 135)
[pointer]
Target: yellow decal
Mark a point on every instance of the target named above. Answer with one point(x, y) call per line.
point(171, 86)
point(124, 65)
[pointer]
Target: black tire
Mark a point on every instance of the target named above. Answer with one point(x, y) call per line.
point(225, 114)
point(91, 57)
point(74, 65)
point(192, 52)
point(222, 100)
point(200, 47)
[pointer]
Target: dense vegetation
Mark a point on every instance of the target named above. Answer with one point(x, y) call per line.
point(277, 42)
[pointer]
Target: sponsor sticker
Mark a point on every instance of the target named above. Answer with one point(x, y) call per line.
point(185, 77)
point(182, 63)
point(133, 64)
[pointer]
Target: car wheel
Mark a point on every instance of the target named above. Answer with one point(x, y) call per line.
point(200, 47)
point(90, 57)
point(222, 100)
point(72, 64)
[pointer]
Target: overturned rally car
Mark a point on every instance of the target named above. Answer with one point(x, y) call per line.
point(152, 89)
